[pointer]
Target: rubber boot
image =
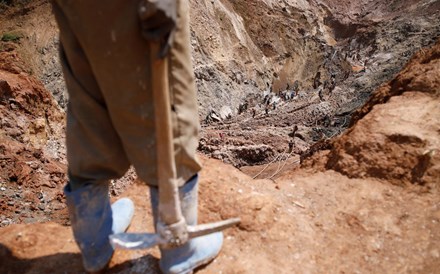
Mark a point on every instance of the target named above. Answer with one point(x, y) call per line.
point(196, 252)
point(93, 220)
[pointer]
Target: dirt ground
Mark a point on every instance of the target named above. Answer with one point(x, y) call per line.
point(351, 195)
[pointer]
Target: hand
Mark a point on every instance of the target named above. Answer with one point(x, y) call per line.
point(158, 22)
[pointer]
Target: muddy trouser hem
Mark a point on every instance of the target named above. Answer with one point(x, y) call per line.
point(107, 70)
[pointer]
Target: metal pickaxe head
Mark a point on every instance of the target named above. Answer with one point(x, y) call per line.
point(148, 240)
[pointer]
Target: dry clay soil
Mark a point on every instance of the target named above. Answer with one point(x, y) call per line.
point(369, 203)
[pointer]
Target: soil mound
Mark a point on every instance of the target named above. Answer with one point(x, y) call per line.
point(31, 145)
point(395, 136)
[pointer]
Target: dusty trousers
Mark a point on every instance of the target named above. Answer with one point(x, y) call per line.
point(107, 68)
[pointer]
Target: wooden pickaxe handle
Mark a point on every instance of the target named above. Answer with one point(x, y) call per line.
point(171, 220)
point(169, 202)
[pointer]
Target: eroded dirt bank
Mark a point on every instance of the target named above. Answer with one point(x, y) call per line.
point(32, 158)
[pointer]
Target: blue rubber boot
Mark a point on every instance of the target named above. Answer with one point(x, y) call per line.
point(196, 252)
point(93, 220)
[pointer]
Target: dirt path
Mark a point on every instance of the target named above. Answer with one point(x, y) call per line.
point(306, 222)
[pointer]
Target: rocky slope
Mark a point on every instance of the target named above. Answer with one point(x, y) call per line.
point(329, 55)
point(320, 59)
point(382, 216)
point(248, 47)
point(32, 147)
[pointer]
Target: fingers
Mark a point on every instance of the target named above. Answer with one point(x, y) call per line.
point(157, 27)
point(158, 24)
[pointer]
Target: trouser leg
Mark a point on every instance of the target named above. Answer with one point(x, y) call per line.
point(118, 56)
point(95, 155)
point(94, 149)
point(184, 98)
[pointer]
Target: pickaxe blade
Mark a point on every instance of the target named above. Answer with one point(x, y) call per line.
point(148, 240)
point(134, 240)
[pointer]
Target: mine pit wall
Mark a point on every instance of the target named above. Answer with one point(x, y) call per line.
point(249, 47)
point(242, 49)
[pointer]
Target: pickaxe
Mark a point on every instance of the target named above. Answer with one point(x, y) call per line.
point(172, 229)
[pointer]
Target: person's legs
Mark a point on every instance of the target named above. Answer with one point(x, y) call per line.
point(95, 155)
point(119, 58)
point(117, 55)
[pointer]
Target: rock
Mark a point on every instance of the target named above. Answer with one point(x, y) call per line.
point(225, 113)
